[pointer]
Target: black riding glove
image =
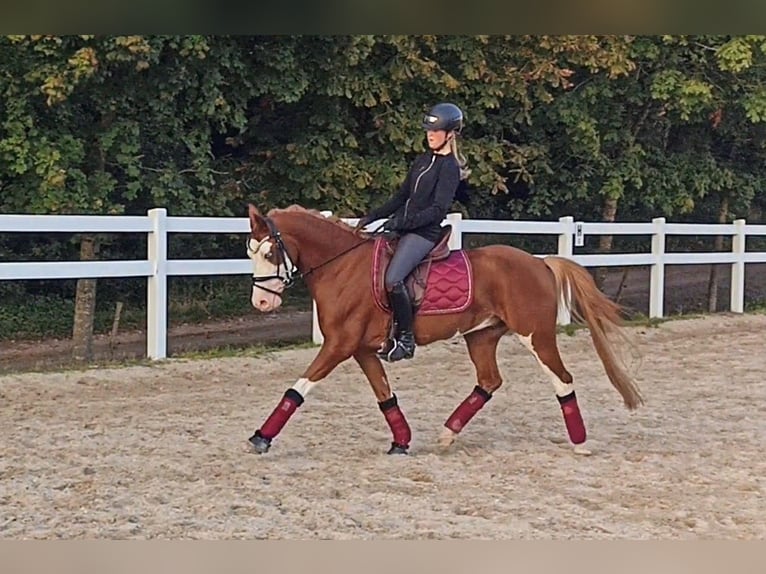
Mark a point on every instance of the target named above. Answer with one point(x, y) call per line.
point(395, 223)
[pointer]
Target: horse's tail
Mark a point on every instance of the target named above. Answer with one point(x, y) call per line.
point(580, 295)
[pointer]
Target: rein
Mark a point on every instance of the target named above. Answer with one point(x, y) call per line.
point(333, 258)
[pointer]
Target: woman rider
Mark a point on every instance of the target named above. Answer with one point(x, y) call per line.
point(416, 212)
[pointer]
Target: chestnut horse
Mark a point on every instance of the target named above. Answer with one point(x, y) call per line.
point(512, 291)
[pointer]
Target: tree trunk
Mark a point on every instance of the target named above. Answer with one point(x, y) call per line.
point(85, 305)
point(85, 300)
point(608, 215)
point(621, 286)
point(715, 270)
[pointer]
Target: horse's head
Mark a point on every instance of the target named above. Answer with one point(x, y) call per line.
point(287, 238)
point(273, 268)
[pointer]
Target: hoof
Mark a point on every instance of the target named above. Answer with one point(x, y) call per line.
point(581, 449)
point(260, 444)
point(397, 449)
point(447, 438)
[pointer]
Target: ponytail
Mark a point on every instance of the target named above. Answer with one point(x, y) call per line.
point(461, 161)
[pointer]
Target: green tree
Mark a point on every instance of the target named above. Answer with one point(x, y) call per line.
point(339, 117)
point(114, 125)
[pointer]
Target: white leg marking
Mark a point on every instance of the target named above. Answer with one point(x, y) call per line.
point(582, 449)
point(304, 386)
point(447, 437)
point(561, 388)
point(388, 386)
point(485, 324)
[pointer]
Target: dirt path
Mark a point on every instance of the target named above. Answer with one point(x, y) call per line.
point(159, 451)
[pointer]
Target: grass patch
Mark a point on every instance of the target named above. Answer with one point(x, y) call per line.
point(71, 366)
point(569, 329)
point(758, 307)
point(637, 320)
point(254, 351)
point(641, 320)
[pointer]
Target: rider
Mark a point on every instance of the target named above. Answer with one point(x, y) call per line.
point(416, 212)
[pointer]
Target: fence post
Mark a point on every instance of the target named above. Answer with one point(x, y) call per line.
point(657, 275)
point(565, 249)
point(738, 247)
point(456, 239)
point(157, 286)
point(316, 332)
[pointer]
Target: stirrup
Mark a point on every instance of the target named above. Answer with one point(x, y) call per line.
point(398, 352)
point(385, 349)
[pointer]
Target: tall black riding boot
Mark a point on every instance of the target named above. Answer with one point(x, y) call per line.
point(404, 341)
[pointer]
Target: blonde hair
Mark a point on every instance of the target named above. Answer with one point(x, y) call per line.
point(461, 161)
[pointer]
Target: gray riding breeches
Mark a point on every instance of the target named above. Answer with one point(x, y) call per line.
point(410, 251)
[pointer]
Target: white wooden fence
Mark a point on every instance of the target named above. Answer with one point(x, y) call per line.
point(156, 267)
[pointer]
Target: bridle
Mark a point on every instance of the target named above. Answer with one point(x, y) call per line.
point(291, 272)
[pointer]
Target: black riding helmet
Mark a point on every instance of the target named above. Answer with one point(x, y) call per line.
point(444, 116)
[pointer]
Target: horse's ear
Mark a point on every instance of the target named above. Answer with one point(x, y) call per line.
point(256, 219)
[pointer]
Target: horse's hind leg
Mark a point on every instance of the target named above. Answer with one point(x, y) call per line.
point(482, 348)
point(542, 344)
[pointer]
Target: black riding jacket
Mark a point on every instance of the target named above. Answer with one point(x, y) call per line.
point(425, 196)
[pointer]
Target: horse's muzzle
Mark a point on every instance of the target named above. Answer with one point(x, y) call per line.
point(267, 299)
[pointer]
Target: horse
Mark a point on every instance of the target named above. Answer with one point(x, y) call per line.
point(500, 289)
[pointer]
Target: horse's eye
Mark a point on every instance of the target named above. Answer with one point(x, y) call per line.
point(269, 255)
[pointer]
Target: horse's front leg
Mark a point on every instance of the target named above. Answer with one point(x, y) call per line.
point(387, 401)
point(330, 355)
point(482, 348)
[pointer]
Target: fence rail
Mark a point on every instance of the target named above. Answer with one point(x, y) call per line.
point(156, 267)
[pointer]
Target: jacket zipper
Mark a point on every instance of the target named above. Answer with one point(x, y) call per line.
point(417, 181)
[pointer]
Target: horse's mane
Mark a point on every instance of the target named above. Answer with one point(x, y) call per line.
point(314, 213)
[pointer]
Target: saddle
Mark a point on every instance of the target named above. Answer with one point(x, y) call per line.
point(450, 286)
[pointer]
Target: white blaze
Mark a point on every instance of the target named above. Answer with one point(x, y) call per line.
point(263, 267)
